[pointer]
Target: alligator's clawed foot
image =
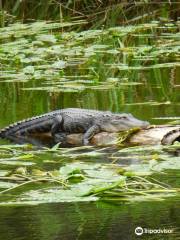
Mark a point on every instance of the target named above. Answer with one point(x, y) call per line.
point(60, 138)
point(86, 142)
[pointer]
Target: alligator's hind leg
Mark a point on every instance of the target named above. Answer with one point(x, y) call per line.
point(56, 126)
point(90, 133)
point(60, 138)
point(56, 131)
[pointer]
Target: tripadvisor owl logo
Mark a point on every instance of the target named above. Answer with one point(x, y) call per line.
point(139, 231)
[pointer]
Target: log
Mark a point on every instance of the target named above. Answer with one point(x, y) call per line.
point(161, 134)
point(153, 135)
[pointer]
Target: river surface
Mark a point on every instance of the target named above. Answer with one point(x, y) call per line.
point(89, 220)
point(149, 94)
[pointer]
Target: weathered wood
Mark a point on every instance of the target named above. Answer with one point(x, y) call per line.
point(156, 135)
point(162, 134)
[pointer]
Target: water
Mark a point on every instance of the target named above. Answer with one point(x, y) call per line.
point(89, 220)
point(148, 93)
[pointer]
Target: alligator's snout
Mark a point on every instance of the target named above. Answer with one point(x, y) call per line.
point(131, 121)
point(139, 123)
point(145, 124)
point(122, 122)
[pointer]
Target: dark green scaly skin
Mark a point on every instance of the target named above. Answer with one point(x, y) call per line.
point(73, 120)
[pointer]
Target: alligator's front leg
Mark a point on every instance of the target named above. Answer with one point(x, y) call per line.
point(90, 133)
point(57, 125)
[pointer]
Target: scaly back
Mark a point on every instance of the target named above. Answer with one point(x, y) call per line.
point(43, 123)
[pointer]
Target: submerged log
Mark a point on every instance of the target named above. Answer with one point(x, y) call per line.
point(162, 134)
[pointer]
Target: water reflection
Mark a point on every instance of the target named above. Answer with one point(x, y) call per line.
point(88, 220)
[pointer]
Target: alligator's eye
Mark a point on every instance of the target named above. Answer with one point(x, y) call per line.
point(124, 117)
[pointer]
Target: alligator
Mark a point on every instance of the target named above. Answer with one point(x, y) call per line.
point(73, 120)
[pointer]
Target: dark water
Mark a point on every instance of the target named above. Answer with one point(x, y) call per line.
point(90, 220)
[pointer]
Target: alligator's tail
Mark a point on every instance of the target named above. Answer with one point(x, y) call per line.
point(14, 128)
point(21, 127)
point(37, 124)
point(3, 133)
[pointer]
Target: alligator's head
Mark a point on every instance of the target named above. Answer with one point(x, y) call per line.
point(122, 122)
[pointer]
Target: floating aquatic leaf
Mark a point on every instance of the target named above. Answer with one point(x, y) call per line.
point(46, 38)
point(3, 173)
point(28, 70)
point(7, 184)
point(59, 64)
point(16, 163)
